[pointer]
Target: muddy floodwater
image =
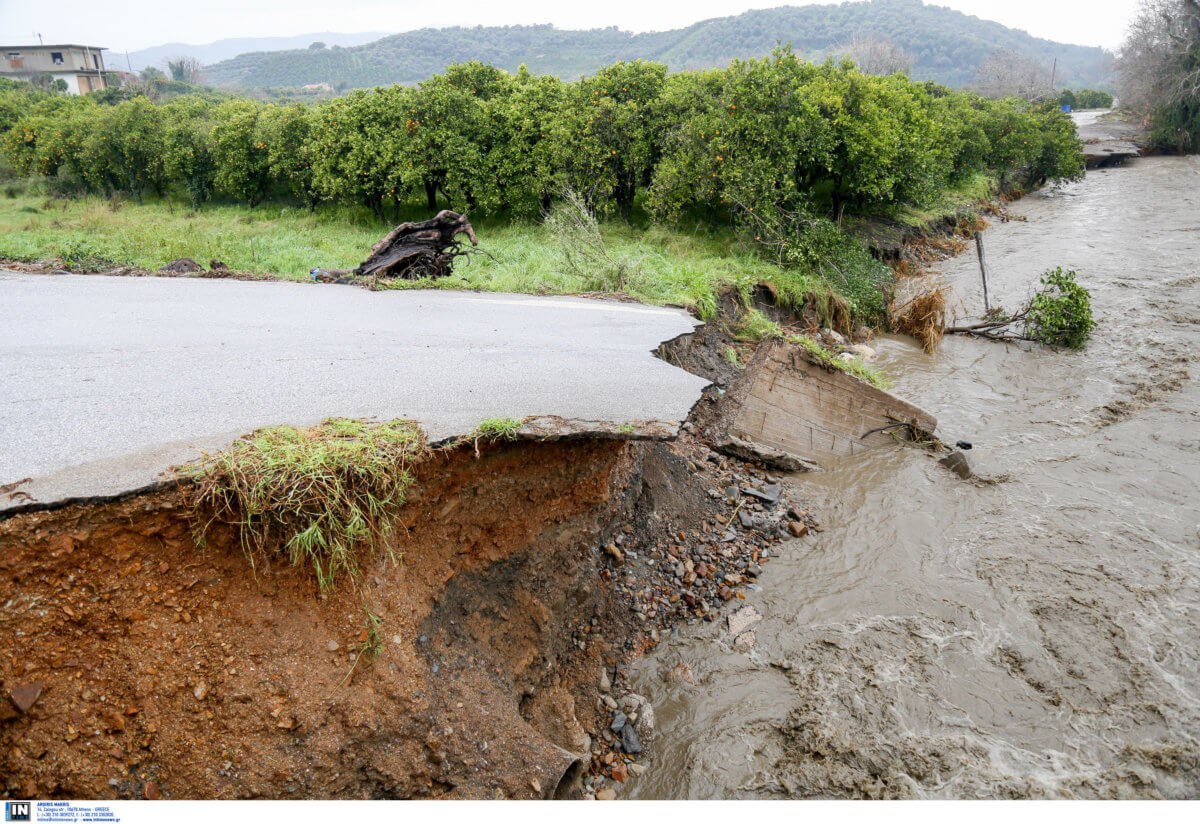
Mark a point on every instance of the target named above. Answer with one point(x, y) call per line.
point(1034, 631)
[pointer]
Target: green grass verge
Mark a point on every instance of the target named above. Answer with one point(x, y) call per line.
point(669, 266)
point(314, 496)
point(966, 194)
point(854, 367)
point(755, 326)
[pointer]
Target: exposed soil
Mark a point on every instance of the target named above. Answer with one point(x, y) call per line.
point(158, 669)
point(167, 671)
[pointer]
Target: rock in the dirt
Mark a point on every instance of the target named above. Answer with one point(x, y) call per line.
point(607, 794)
point(775, 458)
point(645, 725)
point(620, 773)
point(833, 338)
point(182, 266)
point(332, 646)
point(759, 494)
point(957, 463)
point(25, 696)
point(798, 529)
point(605, 682)
point(741, 620)
point(629, 740)
point(618, 722)
point(865, 352)
point(636, 768)
point(681, 674)
point(745, 640)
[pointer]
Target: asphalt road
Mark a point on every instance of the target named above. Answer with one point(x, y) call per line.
point(106, 382)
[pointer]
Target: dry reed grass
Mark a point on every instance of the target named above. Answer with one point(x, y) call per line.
point(921, 309)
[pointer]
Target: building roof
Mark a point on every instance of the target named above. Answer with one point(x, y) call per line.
point(58, 46)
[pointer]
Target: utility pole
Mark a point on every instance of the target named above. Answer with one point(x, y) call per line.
point(1053, 73)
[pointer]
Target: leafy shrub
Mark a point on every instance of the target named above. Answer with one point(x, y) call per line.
point(1060, 314)
point(585, 253)
point(83, 255)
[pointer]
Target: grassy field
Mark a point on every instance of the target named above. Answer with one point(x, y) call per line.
point(658, 265)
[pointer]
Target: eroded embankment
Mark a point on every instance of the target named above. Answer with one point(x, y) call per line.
point(167, 670)
point(138, 665)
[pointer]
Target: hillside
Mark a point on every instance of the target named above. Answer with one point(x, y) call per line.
point(231, 47)
point(947, 46)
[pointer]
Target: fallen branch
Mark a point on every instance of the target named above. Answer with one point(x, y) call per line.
point(1059, 314)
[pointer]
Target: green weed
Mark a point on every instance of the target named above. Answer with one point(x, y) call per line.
point(854, 367)
point(315, 496)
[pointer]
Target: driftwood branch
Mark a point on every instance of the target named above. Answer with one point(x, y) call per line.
point(418, 250)
point(1006, 328)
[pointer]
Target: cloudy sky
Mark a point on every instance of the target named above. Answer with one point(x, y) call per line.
point(134, 24)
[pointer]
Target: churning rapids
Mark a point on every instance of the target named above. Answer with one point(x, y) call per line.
point(1033, 631)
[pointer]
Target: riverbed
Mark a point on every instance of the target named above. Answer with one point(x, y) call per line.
point(1033, 631)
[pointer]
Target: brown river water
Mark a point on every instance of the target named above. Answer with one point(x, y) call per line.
point(1034, 631)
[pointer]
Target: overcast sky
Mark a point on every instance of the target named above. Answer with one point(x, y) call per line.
point(135, 24)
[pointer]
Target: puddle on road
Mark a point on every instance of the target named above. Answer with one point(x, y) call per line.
point(1035, 632)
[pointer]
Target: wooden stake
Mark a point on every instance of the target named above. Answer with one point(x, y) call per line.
point(982, 270)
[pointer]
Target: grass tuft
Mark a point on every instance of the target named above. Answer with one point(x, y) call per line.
point(753, 325)
point(314, 496)
point(496, 429)
point(854, 367)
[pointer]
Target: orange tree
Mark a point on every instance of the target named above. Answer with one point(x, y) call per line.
point(188, 157)
point(356, 148)
point(287, 132)
point(451, 126)
point(539, 125)
point(615, 149)
point(240, 152)
point(749, 138)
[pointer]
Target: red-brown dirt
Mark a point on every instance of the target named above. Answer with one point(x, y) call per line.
point(170, 671)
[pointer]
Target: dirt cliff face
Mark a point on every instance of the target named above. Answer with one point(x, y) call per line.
point(164, 670)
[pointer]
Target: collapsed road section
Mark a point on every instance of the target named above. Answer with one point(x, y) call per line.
point(467, 637)
point(109, 381)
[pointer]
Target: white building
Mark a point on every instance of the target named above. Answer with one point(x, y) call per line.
point(80, 67)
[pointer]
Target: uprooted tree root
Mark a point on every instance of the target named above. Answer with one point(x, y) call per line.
point(314, 496)
point(419, 250)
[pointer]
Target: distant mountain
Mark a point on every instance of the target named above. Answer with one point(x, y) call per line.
point(225, 49)
point(947, 46)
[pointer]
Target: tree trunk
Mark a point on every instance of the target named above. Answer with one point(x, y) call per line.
point(431, 195)
point(417, 250)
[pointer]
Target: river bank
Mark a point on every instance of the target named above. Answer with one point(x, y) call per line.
point(1029, 632)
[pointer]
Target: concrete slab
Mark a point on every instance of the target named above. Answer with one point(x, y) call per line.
point(787, 409)
point(106, 382)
